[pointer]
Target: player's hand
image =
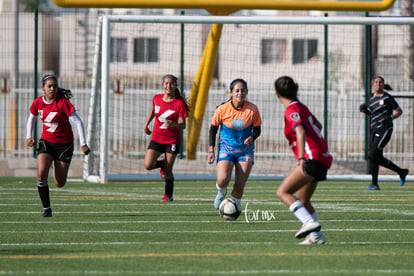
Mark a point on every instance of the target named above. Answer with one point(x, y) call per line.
point(168, 123)
point(147, 130)
point(249, 140)
point(30, 142)
point(302, 166)
point(363, 108)
point(85, 149)
point(211, 158)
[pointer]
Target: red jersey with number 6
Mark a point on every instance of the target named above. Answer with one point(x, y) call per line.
point(55, 118)
point(316, 147)
point(167, 111)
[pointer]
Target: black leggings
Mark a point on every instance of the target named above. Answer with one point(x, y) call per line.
point(378, 140)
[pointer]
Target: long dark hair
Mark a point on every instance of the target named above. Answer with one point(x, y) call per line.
point(286, 87)
point(177, 91)
point(386, 85)
point(65, 92)
point(235, 81)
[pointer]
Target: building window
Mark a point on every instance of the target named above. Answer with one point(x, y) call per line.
point(304, 50)
point(119, 50)
point(146, 50)
point(273, 51)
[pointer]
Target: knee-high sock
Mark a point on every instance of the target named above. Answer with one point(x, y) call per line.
point(160, 164)
point(300, 212)
point(43, 189)
point(169, 187)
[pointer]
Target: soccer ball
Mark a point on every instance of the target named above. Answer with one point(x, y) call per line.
point(229, 210)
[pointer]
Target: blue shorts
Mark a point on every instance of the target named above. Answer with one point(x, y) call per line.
point(236, 157)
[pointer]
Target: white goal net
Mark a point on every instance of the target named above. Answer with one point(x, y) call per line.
point(326, 56)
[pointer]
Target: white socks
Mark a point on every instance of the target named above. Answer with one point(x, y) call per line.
point(222, 191)
point(237, 200)
point(300, 212)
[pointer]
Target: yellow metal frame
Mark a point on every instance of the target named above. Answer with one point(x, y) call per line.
point(326, 5)
point(199, 93)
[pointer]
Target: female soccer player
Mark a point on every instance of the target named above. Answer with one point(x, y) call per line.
point(169, 110)
point(383, 109)
point(56, 143)
point(302, 130)
point(239, 122)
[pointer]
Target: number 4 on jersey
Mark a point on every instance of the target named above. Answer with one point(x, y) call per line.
point(164, 116)
point(48, 122)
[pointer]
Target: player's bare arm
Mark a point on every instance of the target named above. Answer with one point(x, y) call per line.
point(300, 143)
point(148, 121)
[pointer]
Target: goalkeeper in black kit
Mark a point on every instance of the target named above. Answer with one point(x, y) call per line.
point(382, 109)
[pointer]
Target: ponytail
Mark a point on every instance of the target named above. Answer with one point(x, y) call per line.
point(65, 92)
point(178, 95)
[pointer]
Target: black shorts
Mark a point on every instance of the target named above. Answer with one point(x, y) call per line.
point(316, 169)
point(62, 152)
point(173, 148)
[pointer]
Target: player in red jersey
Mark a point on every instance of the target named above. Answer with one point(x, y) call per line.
point(56, 143)
point(169, 110)
point(303, 131)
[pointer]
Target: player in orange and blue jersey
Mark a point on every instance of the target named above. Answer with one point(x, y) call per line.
point(303, 131)
point(240, 124)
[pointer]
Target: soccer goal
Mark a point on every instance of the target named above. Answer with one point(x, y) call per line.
point(328, 57)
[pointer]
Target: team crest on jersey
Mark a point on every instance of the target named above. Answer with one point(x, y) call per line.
point(237, 124)
point(157, 108)
point(381, 102)
point(294, 116)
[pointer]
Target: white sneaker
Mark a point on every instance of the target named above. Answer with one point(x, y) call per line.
point(312, 240)
point(219, 198)
point(307, 228)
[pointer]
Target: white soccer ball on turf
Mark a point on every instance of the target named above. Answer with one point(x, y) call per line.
point(229, 210)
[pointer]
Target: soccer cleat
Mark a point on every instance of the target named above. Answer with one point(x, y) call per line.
point(312, 240)
point(403, 176)
point(166, 198)
point(219, 198)
point(307, 228)
point(47, 213)
point(161, 170)
point(162, 173)
point(372, 188)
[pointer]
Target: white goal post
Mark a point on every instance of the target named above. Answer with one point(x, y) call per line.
point(101, 111)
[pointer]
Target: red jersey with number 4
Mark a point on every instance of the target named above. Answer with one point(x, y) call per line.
point(55, 118)
point(167, 111)
point(316, 147)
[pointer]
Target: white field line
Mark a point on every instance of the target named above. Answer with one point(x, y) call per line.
point(5, 245)
point(184, 202)
point(72, 222)
point(201, 231)
point(141, 212)
point(202, 190)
